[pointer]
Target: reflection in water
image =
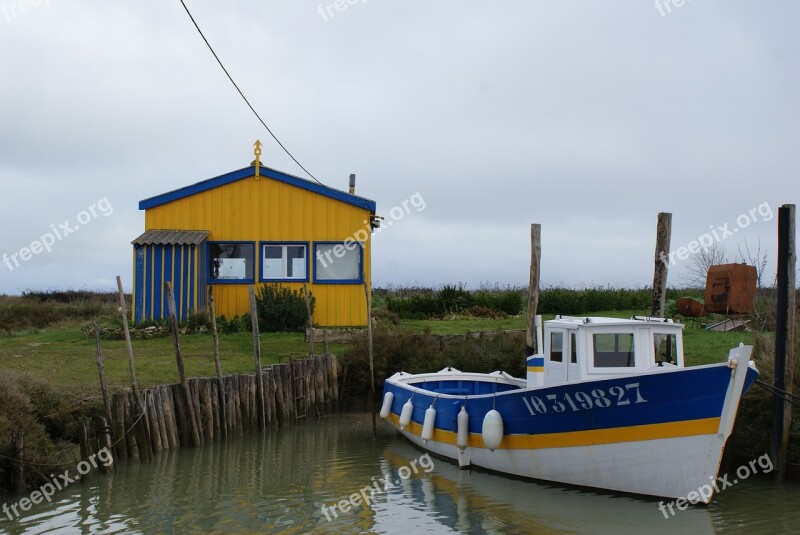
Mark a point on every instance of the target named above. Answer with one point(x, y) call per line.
point(278, 482)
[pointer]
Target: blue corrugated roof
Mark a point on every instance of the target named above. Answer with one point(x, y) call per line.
point(266, 172)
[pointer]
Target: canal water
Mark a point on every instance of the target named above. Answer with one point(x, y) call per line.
point(308, 478)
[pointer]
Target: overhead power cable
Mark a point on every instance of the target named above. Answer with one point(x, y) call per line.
point(249, 105)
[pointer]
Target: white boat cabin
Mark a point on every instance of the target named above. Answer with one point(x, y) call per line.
point(585, 348)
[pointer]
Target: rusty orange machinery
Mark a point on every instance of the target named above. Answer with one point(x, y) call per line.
point(730, 289)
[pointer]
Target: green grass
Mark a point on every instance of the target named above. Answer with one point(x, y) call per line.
point(65, 357)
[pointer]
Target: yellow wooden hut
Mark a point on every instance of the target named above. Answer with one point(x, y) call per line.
point(256, 226)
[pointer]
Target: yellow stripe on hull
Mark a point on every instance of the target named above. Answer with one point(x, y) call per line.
point(532, 369)
point(703, 426)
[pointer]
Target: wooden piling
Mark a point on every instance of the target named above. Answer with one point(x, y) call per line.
point(223, 427)
point(533, 291)
point(190, 415)
point(143, 425)
point(170, 421)
point(663, 235)
point(83, 439)
point(153, 420)
point(257, 358)
point(118, 423)
point(371, 360)
point(105, 443)
point(102, 370)
point(784, 338)
point(130, 436)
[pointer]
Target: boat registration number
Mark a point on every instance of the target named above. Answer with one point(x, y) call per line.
point(615, 396)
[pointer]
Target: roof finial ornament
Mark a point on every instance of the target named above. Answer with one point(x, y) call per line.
point(257, 163)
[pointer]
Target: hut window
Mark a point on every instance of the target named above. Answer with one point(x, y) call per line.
point(231, 261)
point(338, 262)
point(284, 261)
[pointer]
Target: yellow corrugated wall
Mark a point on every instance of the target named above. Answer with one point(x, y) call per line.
point(264, 210)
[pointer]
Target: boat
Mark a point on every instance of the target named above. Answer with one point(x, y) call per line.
point(606, 403)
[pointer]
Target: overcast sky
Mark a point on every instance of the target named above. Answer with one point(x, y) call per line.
point(586, 117)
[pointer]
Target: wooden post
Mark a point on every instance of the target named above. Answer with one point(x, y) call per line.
point(784, 337)
point(18, 463)
point(101, 368)
point(221, 390)
point(105, 443)
point(371, 359)
point(310, 321)
point(663, 235)
point(257, 360)
point(192, 420)
point(123, 312)
point(144, 424)
point(83, 439)
point(533, 291)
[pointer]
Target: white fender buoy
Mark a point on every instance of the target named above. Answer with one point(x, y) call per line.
point(462, 438)
point(405, 414)
point(492, 429)
point(387, 404)
point(427, 425)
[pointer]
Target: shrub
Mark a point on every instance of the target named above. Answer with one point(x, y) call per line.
point(281, 309)
point(452, 299)
point(416, 307)
point(34, 407)
point(509, 302)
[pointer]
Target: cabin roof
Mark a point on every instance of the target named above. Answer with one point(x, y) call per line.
point(171, 237)
point(267, 172)
point(595, 321)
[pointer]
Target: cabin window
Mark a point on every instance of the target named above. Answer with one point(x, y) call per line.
point(231, 261)
point(338, 262)
point(613, 350)
point(557, 347)
point(284, 261)
point(573, 348)
point(666, 346)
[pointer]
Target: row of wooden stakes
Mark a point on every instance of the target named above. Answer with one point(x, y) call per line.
point(306, 388)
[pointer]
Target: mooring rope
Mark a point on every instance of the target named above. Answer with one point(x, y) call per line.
point(786, 396)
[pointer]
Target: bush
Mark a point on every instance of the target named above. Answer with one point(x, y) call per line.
point(34, 407)
point(452, 299)
point(509, 302)
point(281, 309)
point(416, 307)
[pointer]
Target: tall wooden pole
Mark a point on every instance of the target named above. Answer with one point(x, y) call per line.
point(257, 360)
point(784, 337)
point(212, 310)
point(533, 290)
point(102, 370)
point(123, 313)
point(371, 358)
point(176, 339)
point(663, 235)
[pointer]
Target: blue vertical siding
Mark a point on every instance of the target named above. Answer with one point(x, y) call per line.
point(138, 285)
